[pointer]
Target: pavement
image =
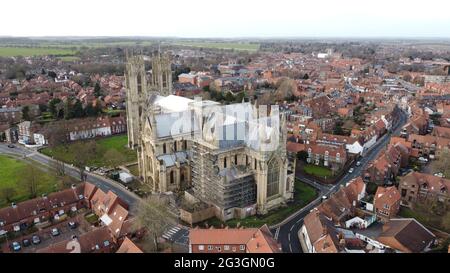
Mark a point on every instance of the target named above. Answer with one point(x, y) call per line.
point(103, 183)
point(287, 232)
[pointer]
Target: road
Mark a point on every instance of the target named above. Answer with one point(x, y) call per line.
point(103, 183)
point(287, 233)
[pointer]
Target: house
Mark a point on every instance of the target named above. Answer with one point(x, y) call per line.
point(112, 211)
point(227, 240)
point(352, 144)
point(417, 186)
point(318, 233)
point(12, 134)
point(380, 127)
point(387, 165)
point(345, 112)
point(97, 241)
point(429, 146)
point(418, 124)
point(24, 214)
point(187, 78)
point(340, 206)
point(128, 246)
point(95, 127)
point(327, 155)
point(26, 131)
point(10, 115)
point(407, 236)
point(386, 202)
point(83, 128)
point(441, 132)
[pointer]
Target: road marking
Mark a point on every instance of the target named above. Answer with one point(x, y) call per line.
point(277, 232)
point(289, 238)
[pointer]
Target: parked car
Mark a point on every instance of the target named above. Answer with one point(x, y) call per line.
point(16, 246)
point(324, 197)
point(36, 240)
point(11, 146)
point(350, 170)
point(55, 232)
point(358, 163)
point(26, 242)
point(441, 175)
point(72, 225)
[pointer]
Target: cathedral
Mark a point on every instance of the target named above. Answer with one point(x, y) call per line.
point(232, 157)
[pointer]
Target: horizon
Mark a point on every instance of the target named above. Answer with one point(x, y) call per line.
point(411, 38)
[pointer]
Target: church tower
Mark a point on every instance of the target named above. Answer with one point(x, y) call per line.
point(136, 89)
point(161, 80)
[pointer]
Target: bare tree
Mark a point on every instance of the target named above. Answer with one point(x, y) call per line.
point(442, 164)
point(154, 215)
point(67, 181)
point(29, 180)
point(83, 151)
point(7, 194)
point(114, 158)
point(57, 138)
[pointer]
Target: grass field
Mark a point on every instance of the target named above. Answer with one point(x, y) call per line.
point(303, 195)
point(33, 51)
point(117, 143)
point(221, 45)
point(318, 171)
point(11, 171)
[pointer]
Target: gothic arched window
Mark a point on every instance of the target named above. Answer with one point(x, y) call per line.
point(139, 83)
point(273, 178)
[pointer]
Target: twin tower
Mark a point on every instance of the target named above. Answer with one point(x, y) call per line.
point(140, 87)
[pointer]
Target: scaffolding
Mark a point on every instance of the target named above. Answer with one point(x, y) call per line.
point(229, 188)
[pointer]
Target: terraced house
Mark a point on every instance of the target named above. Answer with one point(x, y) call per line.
point(417, 186)
point(327, 155)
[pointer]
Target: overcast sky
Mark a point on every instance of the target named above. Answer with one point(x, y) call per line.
point(226, 18)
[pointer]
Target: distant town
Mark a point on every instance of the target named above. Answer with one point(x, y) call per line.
point(145, 145)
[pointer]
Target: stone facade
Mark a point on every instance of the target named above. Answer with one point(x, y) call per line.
point(178, 146)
